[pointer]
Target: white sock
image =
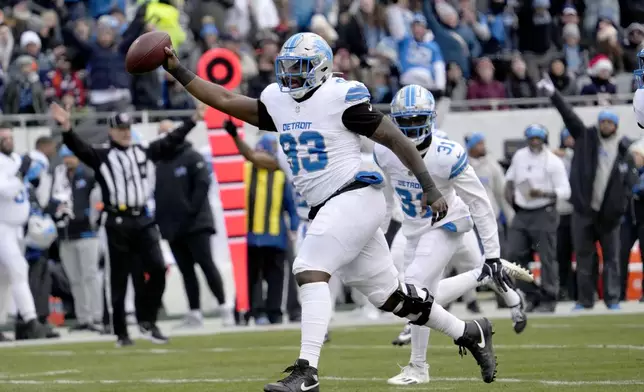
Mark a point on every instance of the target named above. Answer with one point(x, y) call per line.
point(24, 300)
point(419, 343)
point(439, 318)
point(442, 320)
point(510, 297)
point(450, 289)
point(316, 315)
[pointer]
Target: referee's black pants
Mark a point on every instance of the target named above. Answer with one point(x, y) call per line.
point(266, 264)
point(133, 244)
point(194, 249)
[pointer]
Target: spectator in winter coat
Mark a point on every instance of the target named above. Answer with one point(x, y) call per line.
point(573, 54)
point(31, 45)
point(484, 86)
point(185, 219)
point(633, 43)
point(456, 84)
point(421, 61)
point(562, 80)
point(63, 81)
point(602, 176)
point(536, 35)
point(519, 84)
point(360, 29)
point(146, 88)
point(600, 70)
point(24, 93)
point(266, 67)
point(456, 39)
point(501, 23)
point(108, 80)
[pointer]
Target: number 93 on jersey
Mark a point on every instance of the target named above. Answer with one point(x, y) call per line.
point(313, 156)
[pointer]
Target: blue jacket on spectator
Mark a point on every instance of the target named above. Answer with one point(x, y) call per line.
point(418, 54)
point(106, 66)
point(451, 48)
point(102, 7)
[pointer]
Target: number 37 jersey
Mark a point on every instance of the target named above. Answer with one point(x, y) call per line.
point(445, 160)
point(322, 153)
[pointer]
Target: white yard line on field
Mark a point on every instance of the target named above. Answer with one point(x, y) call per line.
point(343, 379)
point(330, 346)
point(41, 374)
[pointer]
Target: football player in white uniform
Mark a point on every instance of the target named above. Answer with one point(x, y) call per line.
point(319, 119)
point(430, 247)
point(14, 212)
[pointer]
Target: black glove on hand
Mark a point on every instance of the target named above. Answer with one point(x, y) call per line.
point(494, 269)
point(230, 128)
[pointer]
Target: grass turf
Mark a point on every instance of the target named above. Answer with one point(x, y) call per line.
point(595, 353)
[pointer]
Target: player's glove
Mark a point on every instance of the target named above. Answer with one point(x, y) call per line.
point(230, 128)
point(494, 269)
point(546, 86)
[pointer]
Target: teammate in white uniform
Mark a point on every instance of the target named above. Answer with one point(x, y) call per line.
point(319, 119)
point(430, 247)
point(14, 212)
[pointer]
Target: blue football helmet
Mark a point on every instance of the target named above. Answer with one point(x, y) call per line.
point(413, 109)
point(304, 63)
point(639, 72)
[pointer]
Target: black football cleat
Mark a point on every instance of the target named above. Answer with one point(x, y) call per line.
point(303, 378)
point(477, 339)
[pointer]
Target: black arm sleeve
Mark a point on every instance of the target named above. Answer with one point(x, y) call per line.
point(85, 152)
point(164, 148)
point(575, 125)
point(265, 122)
point(362, 119)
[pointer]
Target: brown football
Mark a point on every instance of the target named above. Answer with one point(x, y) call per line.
point(147, 52)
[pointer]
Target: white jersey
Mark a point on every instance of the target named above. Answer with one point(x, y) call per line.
point(447, 163)
point(14, 199)
point(323, 155)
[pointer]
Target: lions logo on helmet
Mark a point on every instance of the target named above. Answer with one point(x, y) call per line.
point(41, 232)
point(304, 63)
point(413, 109)
point(638, 99)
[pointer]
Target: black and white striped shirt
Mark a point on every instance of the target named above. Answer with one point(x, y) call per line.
point(126, 174)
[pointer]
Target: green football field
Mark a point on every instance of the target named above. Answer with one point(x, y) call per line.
point(591, 353)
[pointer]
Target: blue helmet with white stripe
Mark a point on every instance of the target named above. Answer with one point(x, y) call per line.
point(413, 109)
point(639, 72)
point(304, 63)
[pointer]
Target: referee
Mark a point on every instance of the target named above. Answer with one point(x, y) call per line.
point(123, 172)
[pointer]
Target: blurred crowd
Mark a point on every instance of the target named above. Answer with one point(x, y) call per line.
point(73, 51)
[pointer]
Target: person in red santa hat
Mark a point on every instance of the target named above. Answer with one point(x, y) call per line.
point(600, 70)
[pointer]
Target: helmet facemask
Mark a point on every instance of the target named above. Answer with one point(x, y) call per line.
point(297, 75)
point(416, 125)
